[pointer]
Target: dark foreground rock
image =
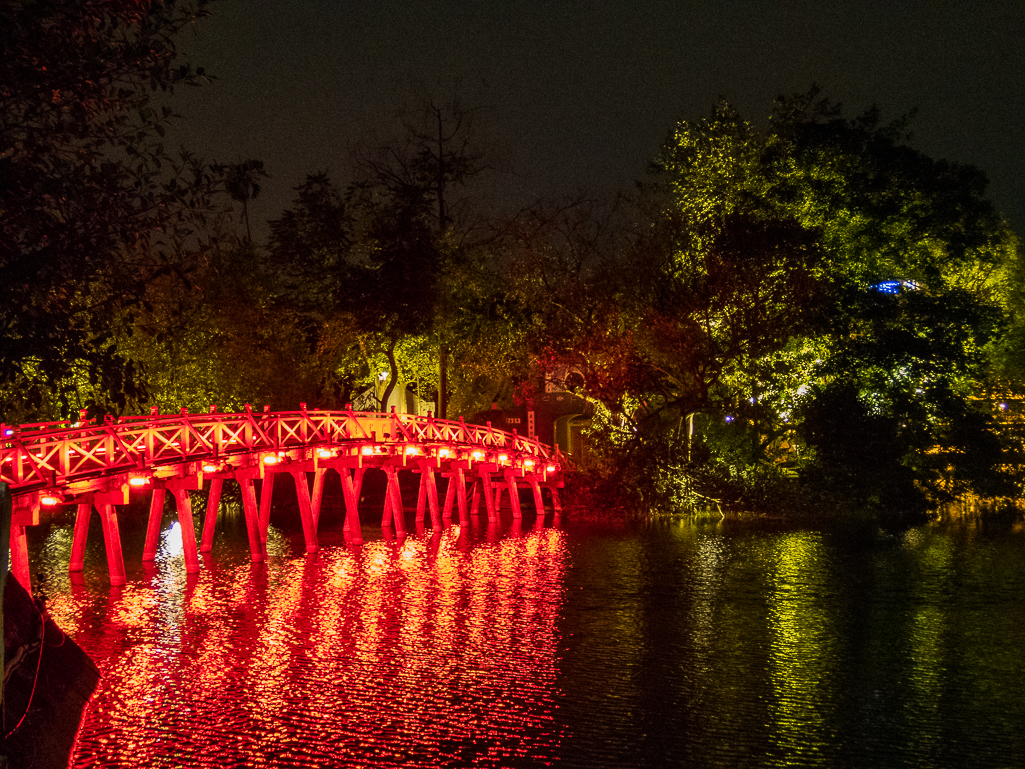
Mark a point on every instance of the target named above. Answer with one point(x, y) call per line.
point(48, 680)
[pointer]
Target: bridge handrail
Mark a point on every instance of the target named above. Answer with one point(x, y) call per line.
point(46, 454)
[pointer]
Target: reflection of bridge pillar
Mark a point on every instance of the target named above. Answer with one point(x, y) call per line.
point(302, 492)
point(156, 513)
point(213, 504)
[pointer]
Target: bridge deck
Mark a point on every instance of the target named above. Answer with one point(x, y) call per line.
point(97, 466)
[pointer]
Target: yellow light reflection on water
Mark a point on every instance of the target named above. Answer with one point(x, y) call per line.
point(802, 651)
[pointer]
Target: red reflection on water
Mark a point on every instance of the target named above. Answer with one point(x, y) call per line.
point(432, 650)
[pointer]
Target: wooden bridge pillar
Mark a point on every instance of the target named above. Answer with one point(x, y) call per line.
point(459, 476)
point(350, 490)
point(302, 492)
point(112, 542)
point(266, 495)
point(429, 494)
point(539, 504)
point(393, 514)
point(213, 504)
point(180, 492)
point(489, 495)
point(317, 497)
point(257, 550)
point(80, 536)
point(514, 494)
point(156, 514)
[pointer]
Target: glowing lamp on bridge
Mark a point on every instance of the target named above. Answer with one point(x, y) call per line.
point(478, 455)
point(270, 459)
point(325, 453)
point(503, 458)
point(138, 480)
point(550, 469)
point(412, 451)
point(208, 468)
point(528, 463)
point(443, 453)
point(50, 500)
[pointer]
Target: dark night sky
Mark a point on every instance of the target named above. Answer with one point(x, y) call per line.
point(583, 93)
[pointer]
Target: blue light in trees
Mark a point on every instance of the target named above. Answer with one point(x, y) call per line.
point(894, 286)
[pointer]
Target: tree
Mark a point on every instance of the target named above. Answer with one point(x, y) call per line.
point(92, 207)
point(776, 275)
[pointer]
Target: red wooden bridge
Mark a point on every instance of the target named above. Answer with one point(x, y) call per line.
point(97, 466)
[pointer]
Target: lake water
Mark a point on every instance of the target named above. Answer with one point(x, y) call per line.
point(659, 644)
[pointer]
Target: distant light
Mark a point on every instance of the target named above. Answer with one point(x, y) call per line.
point(1003, 406)
point(383, 375)
point(728, 419)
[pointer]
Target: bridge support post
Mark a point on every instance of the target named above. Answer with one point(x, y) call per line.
point(421, 499)
point(317, 498)
point(350, 490)
point(429, 488)
point(302, 492)
point(19, 557)
point(188, 529)
point(450, 497)
point(459, 477)
point(213, 504)
point(556, 503)
point(393, 501)
point(489, 495)
point(257, 551)
point(156, 513)
point(112, 542)
point(266, 496)
point(80, 536)
point(539, 504)
point(475, 499)
point(498, 498)
point(514, 494)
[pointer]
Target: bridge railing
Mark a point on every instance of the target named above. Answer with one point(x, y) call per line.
point(47, 455)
